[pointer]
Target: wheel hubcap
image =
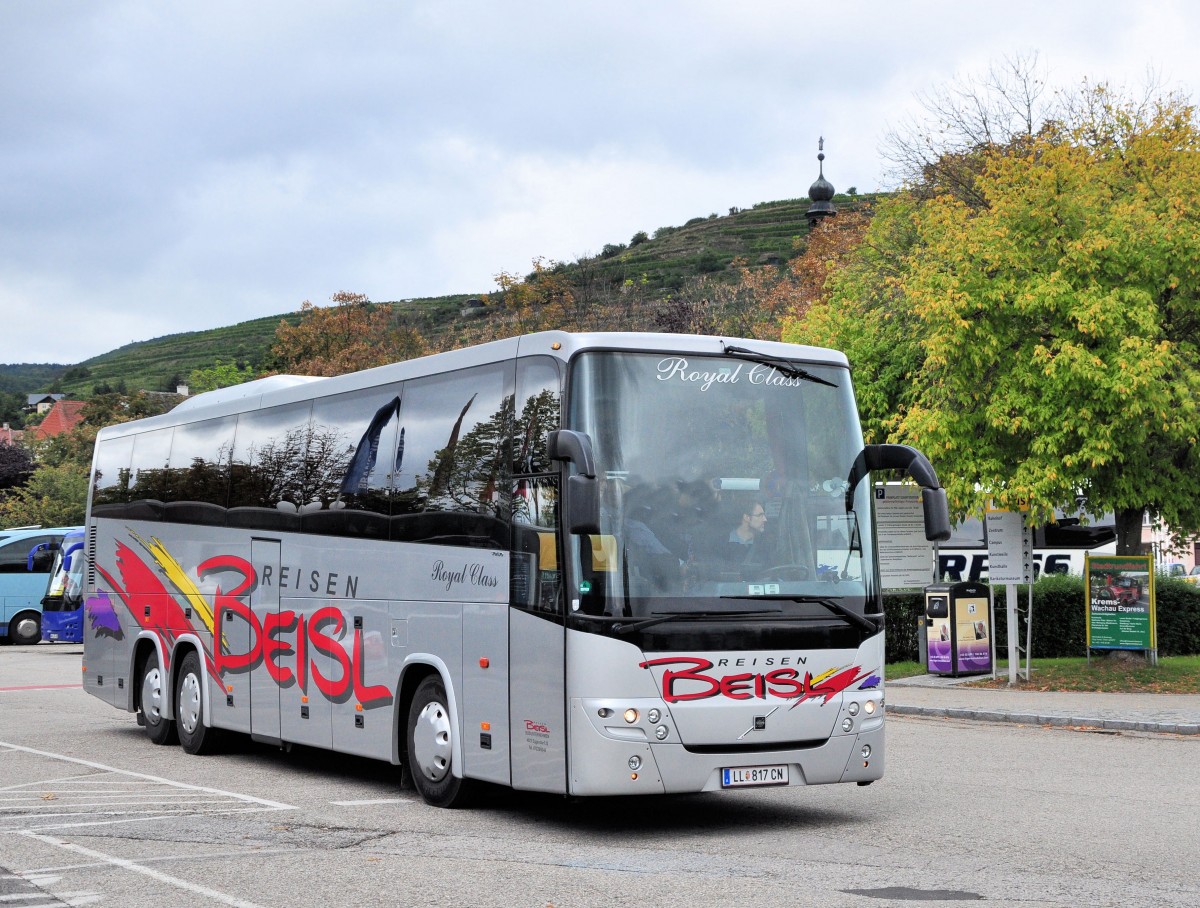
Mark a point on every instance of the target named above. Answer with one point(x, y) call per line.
point(431, 742)
point(189, 703)
point(27, 629)
point(152, 695)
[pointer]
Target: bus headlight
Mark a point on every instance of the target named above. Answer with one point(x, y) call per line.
point(869, 707)
point(661, 732)
point(866, 751)
point(654, 715)
point(635, 762)
point(852, 709)
point(631, 715)
point(847, 724)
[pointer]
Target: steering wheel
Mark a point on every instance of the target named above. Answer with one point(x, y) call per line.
point(787, 572)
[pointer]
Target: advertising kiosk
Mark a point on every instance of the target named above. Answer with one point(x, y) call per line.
point(958, 628)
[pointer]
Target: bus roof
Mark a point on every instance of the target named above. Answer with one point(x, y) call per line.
point(284, 389)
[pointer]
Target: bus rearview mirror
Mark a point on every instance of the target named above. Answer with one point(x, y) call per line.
point(917, 465)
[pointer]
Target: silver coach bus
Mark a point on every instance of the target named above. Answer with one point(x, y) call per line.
point(594, 564)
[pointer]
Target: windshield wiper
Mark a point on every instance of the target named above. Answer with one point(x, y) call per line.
point(870, 622)
point(783, 367)
point(660, 617)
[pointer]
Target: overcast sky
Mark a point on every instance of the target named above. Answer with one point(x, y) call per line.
point(169, 167)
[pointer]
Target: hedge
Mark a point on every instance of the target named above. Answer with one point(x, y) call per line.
point(1059, 619)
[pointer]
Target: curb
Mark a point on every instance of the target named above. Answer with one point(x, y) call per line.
point(987, 715)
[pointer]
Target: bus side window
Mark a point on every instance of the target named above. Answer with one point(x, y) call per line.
point(111, 482)
point(538, 406)
point(14, 557)
point(452, 468)
point(149, 477)
point(197, 488)
point(269, 476)
point(354, 444)
point(536, 573)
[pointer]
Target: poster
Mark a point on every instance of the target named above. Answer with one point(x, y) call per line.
point(972, 634)
point(1120, 602)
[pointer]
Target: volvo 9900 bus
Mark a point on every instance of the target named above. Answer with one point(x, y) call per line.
point(592, 564)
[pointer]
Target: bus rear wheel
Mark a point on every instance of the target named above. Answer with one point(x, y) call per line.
point(159, 729)
point(431, 747)
point(25, 629)
point(194, 736)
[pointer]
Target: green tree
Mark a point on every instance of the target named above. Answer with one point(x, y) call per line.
point(219, 375)
point(1038, 330)
point(53, 496)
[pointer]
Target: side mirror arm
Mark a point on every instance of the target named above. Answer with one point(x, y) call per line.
point(917, 465)
point(581, 499)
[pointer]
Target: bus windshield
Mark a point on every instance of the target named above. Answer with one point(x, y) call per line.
point(723, 493)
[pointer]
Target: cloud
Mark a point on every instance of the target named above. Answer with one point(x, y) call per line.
point(188, 165)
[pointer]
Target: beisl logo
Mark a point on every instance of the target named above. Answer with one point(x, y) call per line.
point(691, 680)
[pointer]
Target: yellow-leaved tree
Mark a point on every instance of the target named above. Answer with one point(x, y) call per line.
point(1036, 335)
point(350, 335)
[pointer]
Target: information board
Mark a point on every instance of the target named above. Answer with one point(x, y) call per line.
point(1010, 547)
point(1120, 599)
point(905, 555)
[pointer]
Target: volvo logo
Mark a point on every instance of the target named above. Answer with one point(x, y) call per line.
point(760, 724)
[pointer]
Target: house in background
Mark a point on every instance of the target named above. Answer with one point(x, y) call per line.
point(41, 403)
point(64, 416)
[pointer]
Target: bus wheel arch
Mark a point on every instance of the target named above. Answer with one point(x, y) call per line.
point(151, 693)
point(429, 742)
point(195, 735)
point(25, 628)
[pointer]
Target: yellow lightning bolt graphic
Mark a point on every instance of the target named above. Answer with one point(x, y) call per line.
point(179, 578)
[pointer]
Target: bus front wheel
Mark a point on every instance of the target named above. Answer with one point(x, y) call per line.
point(25, 629)
point(159, 729)
point(194, 736)
point(431, 747)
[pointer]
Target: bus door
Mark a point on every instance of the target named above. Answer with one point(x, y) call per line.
point(537, 642)
point(264, 603)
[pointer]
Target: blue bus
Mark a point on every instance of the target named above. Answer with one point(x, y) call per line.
point(23, 581)
point(62, 606)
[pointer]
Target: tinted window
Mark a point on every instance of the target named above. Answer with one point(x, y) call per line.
point(536, 575)
point(149, 478)
point(537, 413)
point(200, 455)
point(453, 458)
point(14, 557)
point(111, 477)
point(269, 468)
point(353, 440)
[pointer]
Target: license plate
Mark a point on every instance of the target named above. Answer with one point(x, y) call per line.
point(749, 776)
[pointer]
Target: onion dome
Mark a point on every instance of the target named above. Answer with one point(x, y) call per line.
point(820, 192)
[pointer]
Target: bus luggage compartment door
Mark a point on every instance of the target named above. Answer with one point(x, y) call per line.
point(264, 601)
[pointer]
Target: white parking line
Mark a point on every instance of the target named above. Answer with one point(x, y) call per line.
point(47, 799)
point(134, 867)
point(249, 799)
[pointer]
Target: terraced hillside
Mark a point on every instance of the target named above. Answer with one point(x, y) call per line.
point(770, 233)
